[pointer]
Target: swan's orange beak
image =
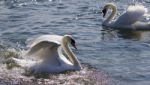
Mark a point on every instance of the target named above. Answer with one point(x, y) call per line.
point(104, 11)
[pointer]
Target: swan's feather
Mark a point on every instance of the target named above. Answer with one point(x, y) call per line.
point(141, 26)
point(25, 62)
point(42, 48)
point(133, 14)
point(51, 38)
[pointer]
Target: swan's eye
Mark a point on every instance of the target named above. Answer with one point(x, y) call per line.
point(73, 43)
point(104, 11)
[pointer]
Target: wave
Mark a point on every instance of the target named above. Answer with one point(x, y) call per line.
point(20, 3)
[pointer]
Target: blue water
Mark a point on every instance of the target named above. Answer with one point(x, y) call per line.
point(125, 56)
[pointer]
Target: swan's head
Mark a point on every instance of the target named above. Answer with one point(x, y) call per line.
point(104, 11)
point(106, 7)
point(69, 39)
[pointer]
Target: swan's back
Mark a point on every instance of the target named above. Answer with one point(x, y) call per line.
point(133, 14)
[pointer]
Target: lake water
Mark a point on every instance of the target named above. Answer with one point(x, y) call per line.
point(125, 56)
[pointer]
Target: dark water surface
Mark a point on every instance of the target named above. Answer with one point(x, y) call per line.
point(123, 55)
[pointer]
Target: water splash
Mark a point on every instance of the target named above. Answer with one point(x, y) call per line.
point(11, 74)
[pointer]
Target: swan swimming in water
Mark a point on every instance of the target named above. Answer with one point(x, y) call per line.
point(54, 53)
point(131, 19)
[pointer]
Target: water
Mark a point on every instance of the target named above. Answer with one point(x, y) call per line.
point(123, 55)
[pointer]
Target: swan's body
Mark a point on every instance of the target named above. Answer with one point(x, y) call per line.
point(51, 49)
point(130, 19)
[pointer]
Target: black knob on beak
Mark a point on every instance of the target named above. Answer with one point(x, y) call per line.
point(104, 11)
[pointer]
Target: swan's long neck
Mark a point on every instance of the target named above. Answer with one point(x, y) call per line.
point(71, 55)
point(112, 15)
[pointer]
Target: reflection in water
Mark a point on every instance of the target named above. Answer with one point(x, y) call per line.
point(109, 34)
point(136, 35)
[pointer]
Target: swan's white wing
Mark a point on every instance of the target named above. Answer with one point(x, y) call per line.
point(24, 62)
point(133, 14)
point(43, 49)
point(51, 38)
point(146, 18)
point(136, 26)
point(141, 26)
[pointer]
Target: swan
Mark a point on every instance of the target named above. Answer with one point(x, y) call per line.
point(131, 19)
point(54, 53)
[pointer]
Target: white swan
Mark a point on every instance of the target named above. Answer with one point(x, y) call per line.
point(131, 19)
point(54, 52)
